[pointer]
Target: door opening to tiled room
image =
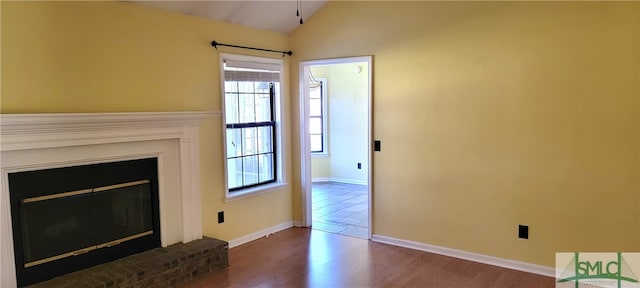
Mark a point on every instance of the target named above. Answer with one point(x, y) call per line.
point(341, 208)
point(339, 126)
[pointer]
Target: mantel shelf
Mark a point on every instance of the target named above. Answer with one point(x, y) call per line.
point(52, 122)
point(32, 131)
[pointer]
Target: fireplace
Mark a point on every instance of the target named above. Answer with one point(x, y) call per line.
point(39, 143)
point(66, 219)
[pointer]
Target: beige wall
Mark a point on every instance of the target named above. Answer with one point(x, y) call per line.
point(115, 57)
point(493, 115)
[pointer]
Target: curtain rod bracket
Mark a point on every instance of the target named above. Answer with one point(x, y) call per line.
point(215, 44)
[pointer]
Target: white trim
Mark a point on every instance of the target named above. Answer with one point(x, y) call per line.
point(349, 181)
point(297, 223)
point(339, 180)
point(305, 154)
point(334, 61)
point(42, 141)
point(33, 131)
point(305, 146)
point(259, 234)
point(475, 257)
point(255, 191)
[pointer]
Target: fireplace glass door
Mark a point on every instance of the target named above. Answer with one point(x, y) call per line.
point(70, 218)
point(76, 222)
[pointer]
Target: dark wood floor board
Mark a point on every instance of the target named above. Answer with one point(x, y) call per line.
point(300, 257)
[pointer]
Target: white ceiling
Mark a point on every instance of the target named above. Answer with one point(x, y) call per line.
point(278, 16)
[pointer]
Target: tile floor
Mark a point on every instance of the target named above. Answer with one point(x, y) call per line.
point(341, 208)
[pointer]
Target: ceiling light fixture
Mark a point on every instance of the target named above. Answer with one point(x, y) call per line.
point(299, 11)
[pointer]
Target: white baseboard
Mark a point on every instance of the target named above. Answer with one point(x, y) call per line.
point(475, 257)
point(297, 223)
point(349, 181)
point(259, 234)
point(339, 180)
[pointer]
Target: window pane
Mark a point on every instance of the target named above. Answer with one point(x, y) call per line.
point(234, 143)
point(231, 107)
point(245, 86)
point(234, 168)
point(249, 141)
point(316, 143)
point(265, 140)
point(263, 107)
point(315, 107)
point(262, 87)
point(230, 86)
point(247, 110)
point(315, 125)
point(266, 167)
point(250, 170)
point(315, 92)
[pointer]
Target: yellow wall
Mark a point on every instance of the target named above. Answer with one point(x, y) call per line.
point(493, 115)
point(320, 167)
point(115, 57)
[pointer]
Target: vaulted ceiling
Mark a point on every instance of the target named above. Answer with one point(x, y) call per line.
point(278, 16)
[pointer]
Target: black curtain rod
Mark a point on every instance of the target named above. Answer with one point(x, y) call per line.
point(216, 44)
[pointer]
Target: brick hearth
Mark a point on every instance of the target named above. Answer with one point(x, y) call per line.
point(160, 267)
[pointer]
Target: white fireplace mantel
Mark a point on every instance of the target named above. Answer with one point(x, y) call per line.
point(32, 131)
point(40, 141)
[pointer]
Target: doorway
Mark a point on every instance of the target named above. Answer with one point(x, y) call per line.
point(335, 117)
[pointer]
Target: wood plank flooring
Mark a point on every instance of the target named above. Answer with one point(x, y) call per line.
point(301, 257)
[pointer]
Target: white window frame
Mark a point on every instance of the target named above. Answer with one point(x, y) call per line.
point(280, 173)
point(325, 121)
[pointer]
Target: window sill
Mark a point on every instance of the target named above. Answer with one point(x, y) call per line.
point(240, 194)
point(320, 154)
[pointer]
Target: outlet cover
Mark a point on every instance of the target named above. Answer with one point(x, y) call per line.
point(523, 231)
point(221, 217)
point(377, 145)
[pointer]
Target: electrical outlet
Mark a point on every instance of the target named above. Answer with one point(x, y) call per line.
point(359, 165)
point(523, 231)
point(221, 217)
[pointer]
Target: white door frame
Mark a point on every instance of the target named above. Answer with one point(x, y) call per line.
point(305, 146)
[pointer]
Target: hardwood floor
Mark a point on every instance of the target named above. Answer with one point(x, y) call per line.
point(301, 257)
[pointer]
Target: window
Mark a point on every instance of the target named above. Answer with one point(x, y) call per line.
point(317, 116)
point(251, 97)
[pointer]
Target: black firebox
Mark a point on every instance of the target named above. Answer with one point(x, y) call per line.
point(71, 218)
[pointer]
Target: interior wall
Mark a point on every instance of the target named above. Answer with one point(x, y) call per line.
point(120, 57)
point(347, 110)
point(494, 114)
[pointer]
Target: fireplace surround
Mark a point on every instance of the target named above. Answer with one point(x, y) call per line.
point(45, 141)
